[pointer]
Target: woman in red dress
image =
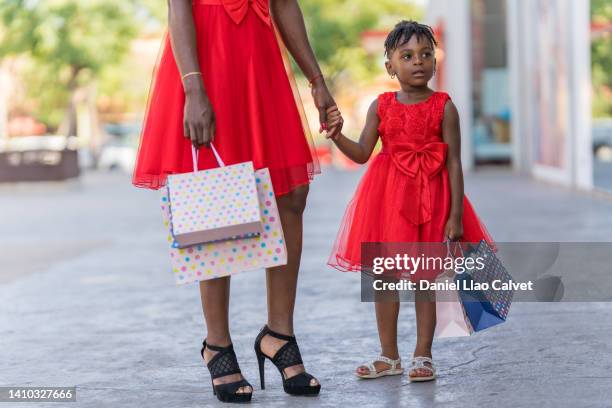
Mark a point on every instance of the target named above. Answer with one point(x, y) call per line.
point(412, 192)
point(221, 77)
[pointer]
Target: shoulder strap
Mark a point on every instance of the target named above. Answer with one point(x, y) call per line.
point(442, 97)
point(438, 107)
point(384, 99)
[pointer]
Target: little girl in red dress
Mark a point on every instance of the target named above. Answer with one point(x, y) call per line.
point(412, 191)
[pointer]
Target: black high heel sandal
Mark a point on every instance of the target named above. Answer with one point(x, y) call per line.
point(288, 355)
point(225, 363)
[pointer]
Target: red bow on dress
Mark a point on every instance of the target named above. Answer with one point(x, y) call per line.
point(237, 9)
point(419, 162)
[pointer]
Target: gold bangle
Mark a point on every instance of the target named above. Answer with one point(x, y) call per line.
point(313, 79)
point(191, 73)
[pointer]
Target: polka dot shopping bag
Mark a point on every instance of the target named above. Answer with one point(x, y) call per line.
point(219, 258)
point(214, 204)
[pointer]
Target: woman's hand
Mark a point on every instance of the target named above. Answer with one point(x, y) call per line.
point(323, 101)
point(335, 122)
point(198, 118)
point(453, 229)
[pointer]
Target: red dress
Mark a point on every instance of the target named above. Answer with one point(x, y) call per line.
point(405, 194)
point(257, 117)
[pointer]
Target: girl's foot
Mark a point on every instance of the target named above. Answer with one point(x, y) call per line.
point(422, 369)
point(380, 367)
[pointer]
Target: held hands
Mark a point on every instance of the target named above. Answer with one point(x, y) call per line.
point(453, 229)
point(323, 101)
point(335, 123)
point(198, 119)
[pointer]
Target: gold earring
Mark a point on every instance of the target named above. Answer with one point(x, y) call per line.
point(392, 76)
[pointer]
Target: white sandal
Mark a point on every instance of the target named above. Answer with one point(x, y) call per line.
point(419, 363)
point(390, 371)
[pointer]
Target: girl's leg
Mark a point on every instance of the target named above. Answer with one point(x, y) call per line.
point(387, 313)
point(282, 280)
point(215, 304)
point(425, 306)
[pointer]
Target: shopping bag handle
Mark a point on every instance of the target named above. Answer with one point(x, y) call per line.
point(448, 250)
point(195, 153)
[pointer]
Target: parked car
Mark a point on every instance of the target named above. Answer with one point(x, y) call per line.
point(602, 139)
point(119, 151)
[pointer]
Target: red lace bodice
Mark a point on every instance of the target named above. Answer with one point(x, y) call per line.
point(419, 122)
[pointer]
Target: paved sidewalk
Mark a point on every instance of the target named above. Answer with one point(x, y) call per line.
point(87, 299)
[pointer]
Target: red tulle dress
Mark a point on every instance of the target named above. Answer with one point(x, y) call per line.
point(405, 195)
point(247, 77)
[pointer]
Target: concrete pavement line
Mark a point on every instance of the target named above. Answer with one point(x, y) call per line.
point(474, 358)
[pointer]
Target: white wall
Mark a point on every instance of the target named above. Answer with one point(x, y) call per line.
point(582, 85)
point(457, 54)
point(536, 47)
point(536, 53)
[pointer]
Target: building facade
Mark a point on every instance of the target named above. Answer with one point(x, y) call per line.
point(519, 72)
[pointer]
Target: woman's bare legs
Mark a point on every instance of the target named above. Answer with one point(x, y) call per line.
point(282, 280)
point(215, 304)
point(281, 288)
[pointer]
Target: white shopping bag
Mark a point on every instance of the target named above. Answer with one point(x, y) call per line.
point(213, 205)
point(451, 320)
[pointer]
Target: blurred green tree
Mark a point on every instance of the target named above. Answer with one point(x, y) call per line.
point(335, 28)
point(69, 43)
point(601, 54)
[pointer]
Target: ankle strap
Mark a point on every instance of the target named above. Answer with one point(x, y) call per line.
point(217, 348)
point(267, 330)
point(223, 363)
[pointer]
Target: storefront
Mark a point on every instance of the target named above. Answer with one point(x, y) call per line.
point(519, 72)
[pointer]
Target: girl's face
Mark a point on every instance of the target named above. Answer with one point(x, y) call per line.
point(413, 62)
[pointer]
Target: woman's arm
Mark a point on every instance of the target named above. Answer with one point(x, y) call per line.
point(290, 22)
point(361, 151)
point(451, 134)
point(198, 117)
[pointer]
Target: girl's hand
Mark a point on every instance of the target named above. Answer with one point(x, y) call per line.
point(198, 118)
point(335, 123)
point(453, 229)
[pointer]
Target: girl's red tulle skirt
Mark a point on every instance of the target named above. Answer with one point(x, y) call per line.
point(258, 116)
point(374, 216)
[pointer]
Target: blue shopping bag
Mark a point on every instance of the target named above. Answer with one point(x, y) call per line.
point(478, 309)
point(489, 307)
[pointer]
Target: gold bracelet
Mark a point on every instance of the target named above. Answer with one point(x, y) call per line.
point(313, 79)
point(191, 73)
